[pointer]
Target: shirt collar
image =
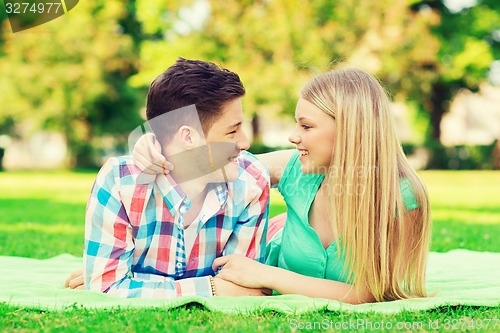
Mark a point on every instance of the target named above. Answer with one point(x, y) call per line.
point(221, 191)
point(172, 193)
point(174, 196)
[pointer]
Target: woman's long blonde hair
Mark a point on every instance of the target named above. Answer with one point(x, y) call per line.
point(385, 245)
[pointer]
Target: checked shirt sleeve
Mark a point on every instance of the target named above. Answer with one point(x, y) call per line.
point(109, 248)
point(249, 233)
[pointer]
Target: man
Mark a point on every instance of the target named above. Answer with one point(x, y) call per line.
point(159, 239)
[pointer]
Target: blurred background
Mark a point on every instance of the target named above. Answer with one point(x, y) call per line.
point(72, 90)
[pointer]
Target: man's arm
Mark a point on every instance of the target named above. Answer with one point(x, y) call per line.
point(249, 232)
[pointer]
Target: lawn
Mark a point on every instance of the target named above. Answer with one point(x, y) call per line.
point(42, 214)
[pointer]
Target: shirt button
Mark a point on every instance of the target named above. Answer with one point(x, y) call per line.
point(179, 265)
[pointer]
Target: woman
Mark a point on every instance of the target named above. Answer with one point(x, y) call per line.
point(358, 215)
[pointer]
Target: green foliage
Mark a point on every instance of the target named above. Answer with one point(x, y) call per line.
point(408, 148)
point(461, 157)
point(466, 56)
point(85, 74)
point(70, 75)
point(467, 47)
point(276, 46)
point(260, 148)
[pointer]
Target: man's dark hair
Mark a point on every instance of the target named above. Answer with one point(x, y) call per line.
point(206, 85)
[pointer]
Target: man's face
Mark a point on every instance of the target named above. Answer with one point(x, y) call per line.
point(226, 139)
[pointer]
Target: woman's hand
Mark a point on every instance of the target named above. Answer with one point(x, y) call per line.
point(148, 157)
point(75, 280)
point(242, 271)
point(227, 288)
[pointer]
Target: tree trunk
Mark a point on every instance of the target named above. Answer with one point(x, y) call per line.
point(256, 130)
point(496, 155)
point(438, 105)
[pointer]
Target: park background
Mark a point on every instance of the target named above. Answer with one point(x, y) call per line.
point(72, 90)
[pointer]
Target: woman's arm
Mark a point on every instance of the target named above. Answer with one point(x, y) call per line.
point(276, 162)
point(288, 282)
point(251, 274)
point(148, 157)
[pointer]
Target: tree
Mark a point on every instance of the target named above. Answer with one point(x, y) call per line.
point(276, 46)
point(469, 42)
point(71, 75)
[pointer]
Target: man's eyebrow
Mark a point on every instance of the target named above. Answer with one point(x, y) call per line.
point(235, 124)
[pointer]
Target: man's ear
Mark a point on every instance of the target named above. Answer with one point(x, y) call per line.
point(188, 137)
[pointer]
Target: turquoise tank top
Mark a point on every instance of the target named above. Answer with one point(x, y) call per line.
point(297, 247)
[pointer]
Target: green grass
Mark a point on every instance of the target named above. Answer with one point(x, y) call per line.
point(42, 214)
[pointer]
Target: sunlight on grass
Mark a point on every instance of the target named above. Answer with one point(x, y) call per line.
point(59, 229)
point(278, 205)
point(68, 187)
point(463, 189)
point(468, 216)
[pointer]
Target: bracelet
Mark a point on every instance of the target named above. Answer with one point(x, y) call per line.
point(212, 285)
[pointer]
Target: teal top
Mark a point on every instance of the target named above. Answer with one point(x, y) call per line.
point(297, 247)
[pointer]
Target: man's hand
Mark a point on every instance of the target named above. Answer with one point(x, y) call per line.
point(75, 280)
point(226, 288)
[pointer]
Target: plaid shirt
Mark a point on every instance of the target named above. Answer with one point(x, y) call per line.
point(136, 244)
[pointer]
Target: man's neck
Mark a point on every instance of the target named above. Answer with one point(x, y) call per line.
point(194, 189)
point(190, 164)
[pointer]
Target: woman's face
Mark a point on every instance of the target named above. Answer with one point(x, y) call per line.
point(314, 137)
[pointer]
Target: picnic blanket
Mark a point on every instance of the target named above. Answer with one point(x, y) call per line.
point(459, 277)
